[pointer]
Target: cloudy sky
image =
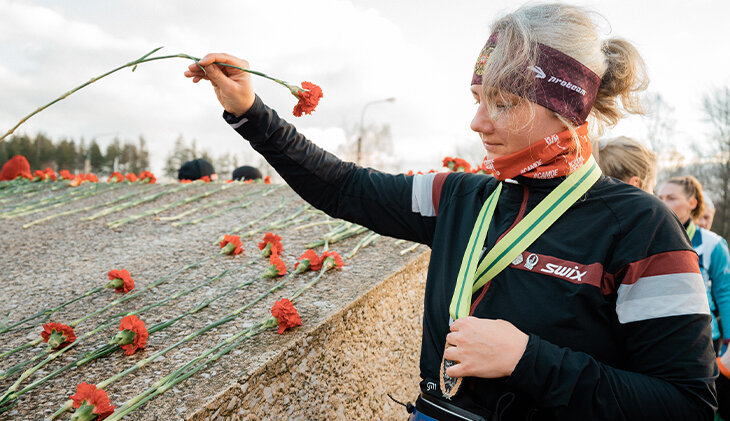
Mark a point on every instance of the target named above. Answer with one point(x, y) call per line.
point(422, 53)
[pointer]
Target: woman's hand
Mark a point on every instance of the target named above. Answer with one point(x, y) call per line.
point(232, 86)
point(484, 348)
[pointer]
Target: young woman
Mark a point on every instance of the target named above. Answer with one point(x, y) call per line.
point(560, 294)
point(629, 161)
point(684, 196)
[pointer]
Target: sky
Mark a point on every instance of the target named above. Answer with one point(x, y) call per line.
point(420, 52)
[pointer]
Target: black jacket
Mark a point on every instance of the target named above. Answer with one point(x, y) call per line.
point(610, 295)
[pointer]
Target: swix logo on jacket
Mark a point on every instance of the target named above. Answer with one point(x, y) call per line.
point(559, 268)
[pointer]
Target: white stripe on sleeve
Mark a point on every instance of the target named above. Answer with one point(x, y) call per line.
point(652, 297)
point(421, 195)
point(239, 124)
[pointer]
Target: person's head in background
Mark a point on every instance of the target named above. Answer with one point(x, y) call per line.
point(196, 169)
point(684, 196)
point(629, 161)
point(707, 216)
point(246, 173)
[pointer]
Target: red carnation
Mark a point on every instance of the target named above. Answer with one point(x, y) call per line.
point(205, 178)
point(132, 335)
point(147, 177)
point(277, 267)
point(116, 177)
point(286, 315)
point(271, 244)
point(66, 175)
point(39, 175)
point(308, 98)
point(249, 181)
point(185, 181)
point(50, 173)
point(131, 177)
point(309, 261)
point(57, 336)
point(90, 401)
point(77, 181)
point(456, 164)
point(267, 180)
point(332, 259)
point(121, 280)
point(231, 244)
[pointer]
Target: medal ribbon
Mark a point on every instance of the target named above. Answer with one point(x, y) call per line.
point(691, 230)
point(518, 239)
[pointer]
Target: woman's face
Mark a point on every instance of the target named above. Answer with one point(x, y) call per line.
point(673, 195)
point(506, 126)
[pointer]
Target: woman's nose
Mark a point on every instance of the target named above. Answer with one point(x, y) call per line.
point(482, 121)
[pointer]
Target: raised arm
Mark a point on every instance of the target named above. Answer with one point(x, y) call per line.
point(395, 205)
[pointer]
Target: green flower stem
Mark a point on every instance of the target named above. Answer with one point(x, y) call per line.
point(369, 239)
point(327, 240)
point(145, 199)
point(48, 312)
point(118, 223)
point(314, 224)
point(145, 58)
point(88, 208)
point(213, 215)
point(254, 221)
point(50, 202)
point(281, 223)
point(11, 393)
point(118, 301)
point(409, 249)
point(53, 205)
point(213, 204)
point(399, 242)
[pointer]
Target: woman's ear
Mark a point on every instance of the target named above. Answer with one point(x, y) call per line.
point(692, 203)
point(635, 181)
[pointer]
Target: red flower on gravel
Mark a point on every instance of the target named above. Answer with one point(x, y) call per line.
point(92, 177)
point(231, 244)
point(332, 259)
point(205, 178)
point(89, 401)
point(309, 261)
point(276, 267)
point(267, 180)
point(132, 335)
point(77, 181)
point(66, 175)
point(131, 177)
point(116, 177)
point(39, 175)
point(271, 245)
point(185, 181)
point(286, 315)
point(248, 181)
point(50, 173)
point(121, 280)
point(308, 98)
point(57, 336)
point(147, 177)
point(25, 174)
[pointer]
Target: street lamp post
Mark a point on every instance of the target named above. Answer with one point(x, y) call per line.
point(362, 127)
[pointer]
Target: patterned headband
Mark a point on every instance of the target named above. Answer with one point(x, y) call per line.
point(562, 83)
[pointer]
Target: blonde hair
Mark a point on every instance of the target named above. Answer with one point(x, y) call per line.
point(623, 158)
point(693, 189)
point(570, 30)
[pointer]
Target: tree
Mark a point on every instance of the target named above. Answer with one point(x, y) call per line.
point(376, 147)
point(717, 110)
point(179, 154)
point(96, 158)
point(113, 155)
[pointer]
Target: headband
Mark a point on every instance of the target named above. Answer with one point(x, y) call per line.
point(562, 83)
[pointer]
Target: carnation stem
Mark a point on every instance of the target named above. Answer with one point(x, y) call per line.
point(145, 199)
point(352, 231)
point(215, 203)
point(369, 239)
point(409, 249)
point(48, 312)
point(88, 208)
point(213, 215)
point(118, 223)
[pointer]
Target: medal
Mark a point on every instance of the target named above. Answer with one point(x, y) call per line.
point(449, 385)
point(474, 274)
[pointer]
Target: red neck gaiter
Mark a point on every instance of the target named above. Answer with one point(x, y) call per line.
point(551, 157)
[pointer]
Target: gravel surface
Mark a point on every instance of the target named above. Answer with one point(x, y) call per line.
point(54, 261)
